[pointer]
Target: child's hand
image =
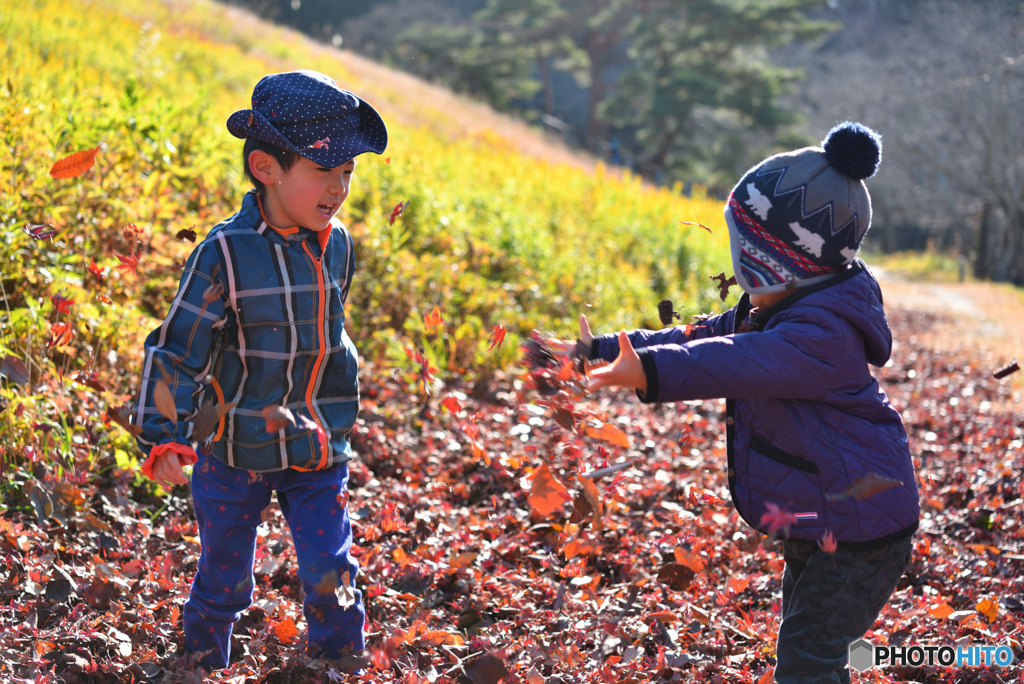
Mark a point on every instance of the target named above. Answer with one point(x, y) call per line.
point(167, 470)
point(568, 347)
point(626, 371)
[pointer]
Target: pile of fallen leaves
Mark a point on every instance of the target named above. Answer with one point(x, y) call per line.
point(523, 537)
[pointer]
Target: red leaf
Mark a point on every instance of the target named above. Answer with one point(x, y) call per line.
point(38, 231)
point(97, 272)
point(129, 263)
point(434, 319)
point(777, 519)
point(548, 494)
point(397, 211)
point(496, 337)
point(74, 164)
point(451, 402)
point(277, 417)
point(827, 543)
point(724, 284)
point(62, 303)
point(105, 299)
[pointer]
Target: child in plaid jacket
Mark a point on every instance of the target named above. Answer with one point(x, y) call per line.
point(257, 326)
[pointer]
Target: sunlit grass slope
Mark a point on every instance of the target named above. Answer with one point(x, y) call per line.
point(503, 226)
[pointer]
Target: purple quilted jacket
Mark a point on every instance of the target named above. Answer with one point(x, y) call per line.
point(805, 418)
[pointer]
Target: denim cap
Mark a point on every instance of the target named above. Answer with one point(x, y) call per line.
point(799, 217)
point(306, 112)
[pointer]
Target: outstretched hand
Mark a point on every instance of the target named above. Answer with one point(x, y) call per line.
point(568, 347)
point(626, 371)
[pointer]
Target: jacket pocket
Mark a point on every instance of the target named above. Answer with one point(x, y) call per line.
point(776, 454)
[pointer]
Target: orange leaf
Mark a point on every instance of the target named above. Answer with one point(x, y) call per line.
point(989, 608)
point(548, 494)
point(286, 630)
point(738, 584)
point(434, 319)
point(607, 433)
point(663, 616)
point(593, 498)
point(941, 611)
point(690, 560)
point(74, 164)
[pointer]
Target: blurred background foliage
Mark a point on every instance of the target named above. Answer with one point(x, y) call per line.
point(699, 90)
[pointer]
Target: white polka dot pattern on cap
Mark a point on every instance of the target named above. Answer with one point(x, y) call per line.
point(307, 113)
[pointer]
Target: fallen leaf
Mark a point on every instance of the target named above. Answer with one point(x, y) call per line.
point(594, 500)
point(74, 164)
point(941, 611)
point(213, 292)
point(989, 608)
point(675, 576)
point(487, 669)
point(286, 631)
point(690, 560)
point(547, 494)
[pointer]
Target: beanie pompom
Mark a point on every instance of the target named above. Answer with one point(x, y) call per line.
point(854, 150)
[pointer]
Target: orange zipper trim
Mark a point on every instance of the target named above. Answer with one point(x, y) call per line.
point(321, 322)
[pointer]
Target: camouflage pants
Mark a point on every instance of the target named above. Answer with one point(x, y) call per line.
point(828, 602)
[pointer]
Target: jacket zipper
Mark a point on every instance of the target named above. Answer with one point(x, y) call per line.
point(321, 321)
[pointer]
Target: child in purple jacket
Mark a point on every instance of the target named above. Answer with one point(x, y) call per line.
point(815, 449)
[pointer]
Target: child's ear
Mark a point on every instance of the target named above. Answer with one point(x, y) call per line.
point(262, 166)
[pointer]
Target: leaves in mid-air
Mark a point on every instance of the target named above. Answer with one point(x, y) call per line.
point(40, 231)
point(186, 234)
point(777, 518)
point(277, 417)
point(724, 284)
point(865, 487)
point(547, 494)
point(14, 370)
point(1009, 368)
point(666, 312)
point(315, 427)
point(827, 543)
point(74, 164)
point(496, 337)
point(694, 223)
point(397, 211)
point(434, 319)
point(63, 304)
point(129, 263)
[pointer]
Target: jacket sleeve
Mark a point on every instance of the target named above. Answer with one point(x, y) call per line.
point(791, 360)
point(183, 345)
point(606, 347)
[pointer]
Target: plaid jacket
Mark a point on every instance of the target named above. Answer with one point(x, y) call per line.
point(274, 336)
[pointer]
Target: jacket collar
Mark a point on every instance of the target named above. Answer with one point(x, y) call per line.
point(761, 319)
point(322, 236)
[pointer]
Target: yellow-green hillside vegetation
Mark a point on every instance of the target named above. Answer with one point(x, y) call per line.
point(503, 226)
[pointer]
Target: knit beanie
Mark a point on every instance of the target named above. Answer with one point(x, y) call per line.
point(799, 217)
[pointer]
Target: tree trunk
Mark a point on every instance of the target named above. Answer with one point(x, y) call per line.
point(545, 78)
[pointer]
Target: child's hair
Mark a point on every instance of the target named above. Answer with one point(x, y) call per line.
point(286, 158)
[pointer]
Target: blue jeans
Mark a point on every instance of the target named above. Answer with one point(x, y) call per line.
point(228, 503)
point(828, 602)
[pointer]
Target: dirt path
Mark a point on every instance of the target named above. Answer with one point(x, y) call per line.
point(982, 321)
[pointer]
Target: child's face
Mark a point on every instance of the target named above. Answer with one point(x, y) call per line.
point(307, 194)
